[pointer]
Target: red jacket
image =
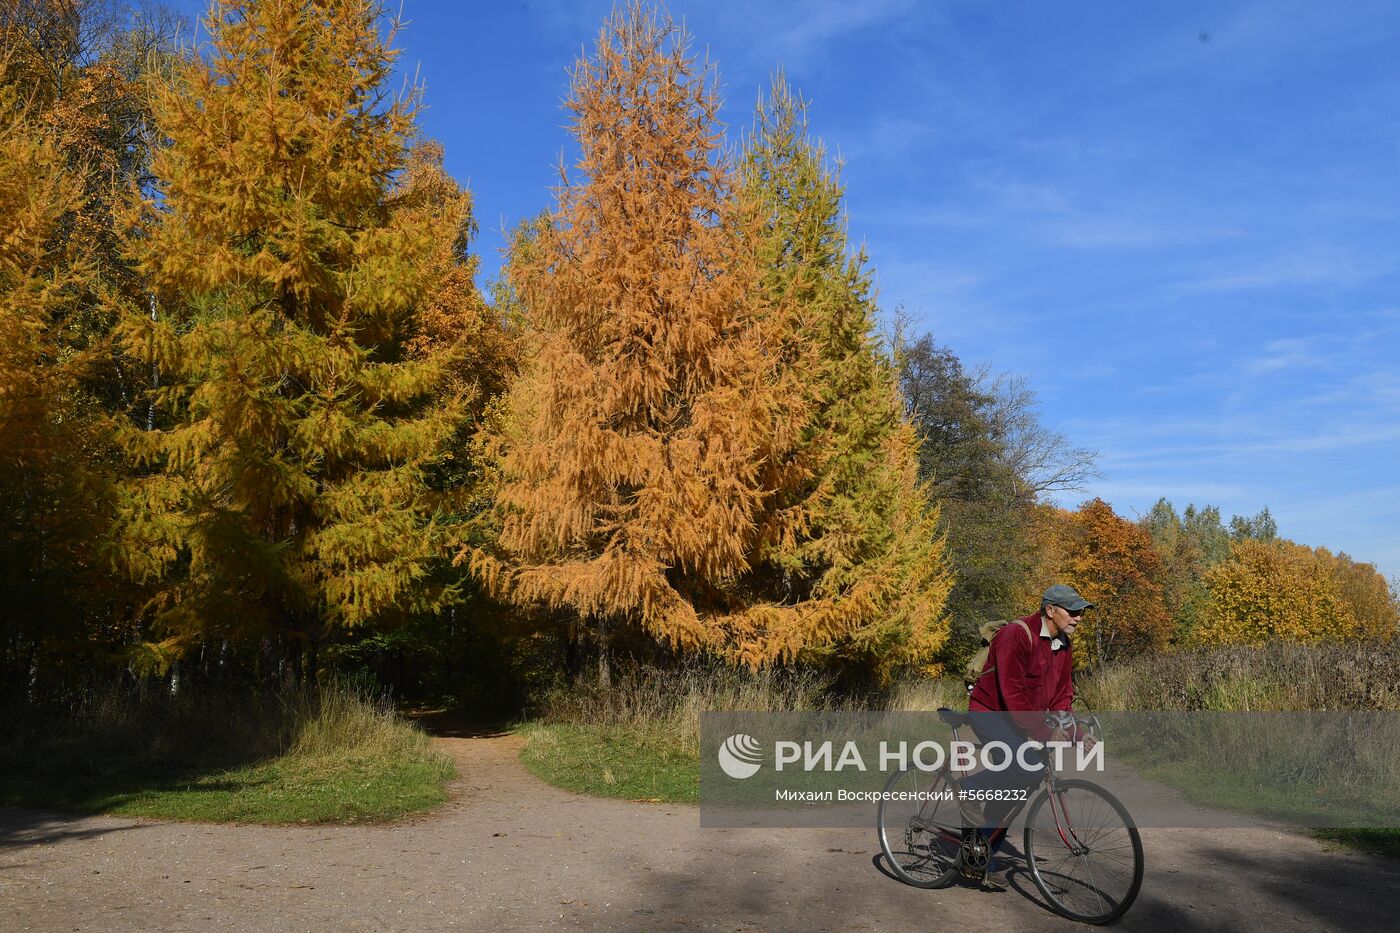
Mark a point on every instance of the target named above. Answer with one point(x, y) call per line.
point(1025, 677)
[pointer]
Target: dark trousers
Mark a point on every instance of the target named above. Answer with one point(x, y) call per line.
point(999, 727)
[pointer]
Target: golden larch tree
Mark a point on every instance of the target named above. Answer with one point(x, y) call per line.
point(48, 488)
point(660, 464)
point(475, 343)
point(295, 420)
point(851, 541)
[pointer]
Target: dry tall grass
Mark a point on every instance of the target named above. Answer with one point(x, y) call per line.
point(335, 724)
point(666, 704)
point(1323, 770)
point(927, 695)
point(1278, 677)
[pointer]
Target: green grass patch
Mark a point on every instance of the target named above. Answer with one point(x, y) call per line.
point(1239, 791)
point(612, 761)
point(1375, 841)
point(279, 791)
point(319, 756)
point(1233, 791)
point(639, 737)
point(1271, 772)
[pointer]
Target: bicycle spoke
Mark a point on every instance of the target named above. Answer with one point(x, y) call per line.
point(1097, 874)
point(920, 839)
point(1093, 882)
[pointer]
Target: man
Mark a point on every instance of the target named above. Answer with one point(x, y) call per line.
point(1028, 674)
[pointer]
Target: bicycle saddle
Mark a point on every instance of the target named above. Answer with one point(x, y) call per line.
point(952, 717)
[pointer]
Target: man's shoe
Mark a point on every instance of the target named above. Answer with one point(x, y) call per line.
point(995, 877)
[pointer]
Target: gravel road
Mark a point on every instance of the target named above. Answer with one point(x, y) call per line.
point(511, 853)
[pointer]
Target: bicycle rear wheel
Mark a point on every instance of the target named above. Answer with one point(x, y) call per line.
point(1083, 851)
point(921, 836)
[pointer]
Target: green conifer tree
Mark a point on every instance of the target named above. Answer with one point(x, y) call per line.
point(856, 542)
point(294, 422)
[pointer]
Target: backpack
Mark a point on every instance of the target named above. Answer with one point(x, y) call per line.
point(978, 665)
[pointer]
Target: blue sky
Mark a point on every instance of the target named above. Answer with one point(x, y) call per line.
point(1181, 222)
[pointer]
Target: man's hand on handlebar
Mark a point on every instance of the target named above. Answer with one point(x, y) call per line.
point(1084, 737)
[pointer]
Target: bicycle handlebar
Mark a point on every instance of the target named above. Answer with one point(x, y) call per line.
point(1072, 724)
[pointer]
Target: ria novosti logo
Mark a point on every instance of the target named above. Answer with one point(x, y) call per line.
point(740, 756)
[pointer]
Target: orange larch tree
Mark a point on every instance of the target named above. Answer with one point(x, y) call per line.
point(651, 464)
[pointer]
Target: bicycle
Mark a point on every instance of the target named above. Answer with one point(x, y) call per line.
point(1081, 846)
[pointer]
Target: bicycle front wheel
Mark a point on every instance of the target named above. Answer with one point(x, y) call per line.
point(920, 833)
point(1083, 851)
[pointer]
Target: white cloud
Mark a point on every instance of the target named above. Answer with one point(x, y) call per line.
point(1285, 354)
point(1316, 266)
point(818, 23)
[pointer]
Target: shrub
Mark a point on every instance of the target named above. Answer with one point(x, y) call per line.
point(1279, 676)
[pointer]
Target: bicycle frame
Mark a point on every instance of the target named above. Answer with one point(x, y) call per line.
point(1057, 809)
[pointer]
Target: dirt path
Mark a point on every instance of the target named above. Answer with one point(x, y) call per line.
point(511, 853)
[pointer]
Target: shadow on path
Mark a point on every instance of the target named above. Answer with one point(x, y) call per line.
point(449, 725)
point(20, 827)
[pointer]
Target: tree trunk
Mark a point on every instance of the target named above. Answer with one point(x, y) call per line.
point(1098, 642)
point(604, 658)
point(313, 658)
point(573, 654)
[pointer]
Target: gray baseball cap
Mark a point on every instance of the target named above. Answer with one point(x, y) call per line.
point(1066, 597)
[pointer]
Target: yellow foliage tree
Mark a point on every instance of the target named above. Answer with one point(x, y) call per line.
point(472, 341)
point(288, 488)
point(46, 538)
point(655, 442)
point(1372, 601)
point(72, 111)
point(1273, 589)
point(453, 318)
point(41, 276)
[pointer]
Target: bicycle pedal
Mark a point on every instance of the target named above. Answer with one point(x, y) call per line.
point(974, 856)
